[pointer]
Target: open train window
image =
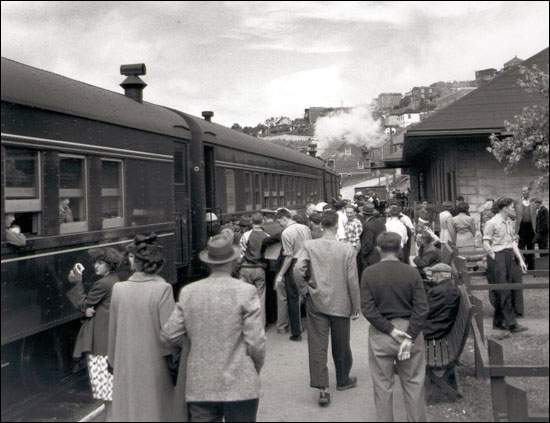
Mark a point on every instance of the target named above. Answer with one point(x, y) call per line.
point(257, 191)
point(73, 215)
point(112, 193)
point(248, 191)
point(22, 189)
point(230, 191)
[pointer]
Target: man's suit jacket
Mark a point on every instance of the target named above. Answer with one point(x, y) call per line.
point(221, 317)
point(373, 227)
point(542, 222)
point(521, 210)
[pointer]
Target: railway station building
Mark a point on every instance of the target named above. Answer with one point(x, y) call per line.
point(446, 154)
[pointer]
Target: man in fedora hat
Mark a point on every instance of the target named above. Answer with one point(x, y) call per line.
point(222, 318)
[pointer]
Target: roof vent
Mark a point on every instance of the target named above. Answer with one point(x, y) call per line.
point(133, 85)
point(207, 115)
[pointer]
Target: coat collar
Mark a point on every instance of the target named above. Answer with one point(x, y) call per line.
point(143, 277)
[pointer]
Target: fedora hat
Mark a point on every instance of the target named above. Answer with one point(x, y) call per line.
point(219, 250)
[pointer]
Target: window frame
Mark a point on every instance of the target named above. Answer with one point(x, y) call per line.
point(114, 222)
point(27, 205)
point(73, 227)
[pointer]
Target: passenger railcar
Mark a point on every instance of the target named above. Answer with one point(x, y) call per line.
point(126, 167)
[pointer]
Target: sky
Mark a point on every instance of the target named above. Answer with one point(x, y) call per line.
point(248, 61)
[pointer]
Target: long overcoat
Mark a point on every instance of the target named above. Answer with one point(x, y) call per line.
point(142, 387)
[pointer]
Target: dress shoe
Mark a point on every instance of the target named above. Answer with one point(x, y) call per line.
point(500, 327)
point(518, 328)
point(352, 383)
point(324, 398)
point(295, 338)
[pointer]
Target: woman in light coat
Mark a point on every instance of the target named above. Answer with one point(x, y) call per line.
point(142, 385)
point(463, 229)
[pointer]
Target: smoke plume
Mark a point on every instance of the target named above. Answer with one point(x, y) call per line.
point(356, 127)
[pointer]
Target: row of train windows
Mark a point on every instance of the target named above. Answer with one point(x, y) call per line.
point(269, 190)
point(23, 193)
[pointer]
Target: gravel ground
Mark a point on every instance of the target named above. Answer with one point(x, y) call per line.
point(529, 347)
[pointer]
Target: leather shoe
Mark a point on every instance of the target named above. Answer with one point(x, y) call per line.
point(518, 328)
point(500, 327)
point(352, 383)
point(295, 338)
point(324, 398)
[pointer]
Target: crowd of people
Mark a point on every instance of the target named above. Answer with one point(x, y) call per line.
point(153, 359)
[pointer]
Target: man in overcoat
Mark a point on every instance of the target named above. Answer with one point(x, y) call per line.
point(222, 318)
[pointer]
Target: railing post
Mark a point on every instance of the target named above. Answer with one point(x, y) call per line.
point(478, 321)
point(517, 404)
point(498, 384)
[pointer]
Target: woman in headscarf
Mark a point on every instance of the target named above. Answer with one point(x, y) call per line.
point(93, 336)
point(142, 386)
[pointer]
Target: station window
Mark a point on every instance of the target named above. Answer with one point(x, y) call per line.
point(257, 191)
point(112, 193)
point(248, 191)
point(73, 216)
point(274, 190)
point(230, 191)
point(22, 193)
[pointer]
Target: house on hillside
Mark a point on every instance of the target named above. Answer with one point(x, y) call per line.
point(446, 154)
point(346, 158)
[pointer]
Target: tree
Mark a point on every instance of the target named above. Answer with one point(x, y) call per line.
point(236, 127)
point(529, 130)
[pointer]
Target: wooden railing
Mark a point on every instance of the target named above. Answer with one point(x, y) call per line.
point(508, 402)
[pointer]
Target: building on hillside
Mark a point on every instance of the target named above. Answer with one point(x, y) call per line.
point(446, 154)
point(512, 62)
point(347, 158)
point(485, 75)
point(407, 119)
point(388, 101)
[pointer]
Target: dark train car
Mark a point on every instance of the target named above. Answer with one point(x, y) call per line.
point(235, 174)
point(112, 158)
point(125, 167)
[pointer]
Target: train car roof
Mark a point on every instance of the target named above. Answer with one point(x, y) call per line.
point(225, 137)
point(29, 86)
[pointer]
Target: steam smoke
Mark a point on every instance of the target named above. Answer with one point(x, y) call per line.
point(355, 127)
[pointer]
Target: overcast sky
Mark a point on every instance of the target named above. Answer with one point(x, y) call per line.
point(251, 60)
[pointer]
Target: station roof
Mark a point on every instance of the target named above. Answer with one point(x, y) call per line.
point(485, 109)
point(29, 86)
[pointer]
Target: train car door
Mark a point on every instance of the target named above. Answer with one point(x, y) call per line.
point(181, 206)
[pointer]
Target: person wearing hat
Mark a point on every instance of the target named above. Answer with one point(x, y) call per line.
point(222, 318)
point(143, 387)
point(443, 301)
point(92, 339)
point(374, 226)
point(428, 253)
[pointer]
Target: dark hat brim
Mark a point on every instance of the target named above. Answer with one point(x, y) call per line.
point(203, 256)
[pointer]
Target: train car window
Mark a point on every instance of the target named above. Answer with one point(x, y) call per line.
point(179, 167)
point(265, 187)
point(112, 193)
point(257, 191)
point(248, 191)
point(73, 215)
point(230, 191)
point(274, 190)
point(22, 189)
point(282, 191)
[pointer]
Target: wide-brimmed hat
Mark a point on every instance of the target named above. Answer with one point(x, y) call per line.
point(369, 209)
point(441, 267)
point(219, 250)
point(320, 206)
point(109, 255)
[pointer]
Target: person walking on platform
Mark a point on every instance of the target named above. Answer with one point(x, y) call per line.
point(395, 225)
point(221, 316)
point(463, 228)
point(526, 220)
point(374, 226)
point(292, 238)
point(499, 241)
point(326, 274)
point(394, 302)
point(143, 388)
point(542, 226)
point(253, 265)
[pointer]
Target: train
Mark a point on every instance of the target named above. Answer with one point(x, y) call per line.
point(122, 166)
